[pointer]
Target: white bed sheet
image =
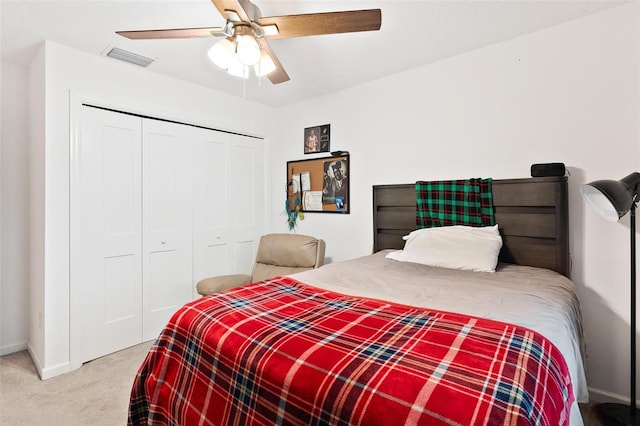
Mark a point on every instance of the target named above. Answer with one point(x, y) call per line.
point(540, 299)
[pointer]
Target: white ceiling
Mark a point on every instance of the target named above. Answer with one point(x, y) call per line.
point(413, 33)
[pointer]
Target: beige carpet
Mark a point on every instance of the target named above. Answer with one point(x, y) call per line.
point(95, 394)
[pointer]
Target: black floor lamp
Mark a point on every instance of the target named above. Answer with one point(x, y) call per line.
point(612, 199)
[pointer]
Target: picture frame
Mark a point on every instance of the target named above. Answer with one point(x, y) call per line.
point(319, 185)
point(317, 139)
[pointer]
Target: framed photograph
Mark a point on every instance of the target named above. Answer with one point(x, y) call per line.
point(321, 184)
point(317, 139)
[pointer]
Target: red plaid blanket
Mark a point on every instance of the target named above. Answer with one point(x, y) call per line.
point(282, 352)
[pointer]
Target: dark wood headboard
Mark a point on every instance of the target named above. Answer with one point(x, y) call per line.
point(532, 214)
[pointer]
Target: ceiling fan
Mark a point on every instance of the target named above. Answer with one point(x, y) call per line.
point(246, 33)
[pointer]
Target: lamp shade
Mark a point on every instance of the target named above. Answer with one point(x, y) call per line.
point(265, 65)
point(237, 68)
point(612, 199)
point(248, 50)
point(222, 53)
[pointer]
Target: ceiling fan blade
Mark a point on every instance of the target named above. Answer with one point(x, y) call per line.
point(231, 5)
point(310, 24)
point(173, 33)
point(279, 75)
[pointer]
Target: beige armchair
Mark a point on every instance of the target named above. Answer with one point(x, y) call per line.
point(278, 254)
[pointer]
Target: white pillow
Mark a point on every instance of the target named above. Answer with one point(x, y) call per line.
point(469, 248)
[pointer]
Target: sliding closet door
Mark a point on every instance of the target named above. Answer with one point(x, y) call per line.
point(167, 222)
point(212, 204)
point(247, 198)
point(156, 206)
point(106, 268)
point(229, 203)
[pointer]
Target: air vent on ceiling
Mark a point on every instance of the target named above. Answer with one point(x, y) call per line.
point(132, 58)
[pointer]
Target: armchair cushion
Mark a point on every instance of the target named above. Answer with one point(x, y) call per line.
point(290, 250)
point(220, 283)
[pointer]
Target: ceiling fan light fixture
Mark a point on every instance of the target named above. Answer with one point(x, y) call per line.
point(265, 65)
point(237, 68)
point(222, 53)
point(248, 50)
point(248, 33)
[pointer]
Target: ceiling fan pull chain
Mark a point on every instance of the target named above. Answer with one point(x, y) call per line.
point(259, 73)
point(244, 83)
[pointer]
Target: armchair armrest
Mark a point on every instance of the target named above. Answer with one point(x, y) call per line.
point(220, 283)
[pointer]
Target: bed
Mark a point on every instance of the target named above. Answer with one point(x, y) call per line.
point(375, 341)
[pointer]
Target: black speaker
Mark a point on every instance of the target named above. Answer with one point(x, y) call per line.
point(547, 169)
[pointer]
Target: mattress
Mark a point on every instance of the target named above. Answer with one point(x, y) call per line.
point(536, 298)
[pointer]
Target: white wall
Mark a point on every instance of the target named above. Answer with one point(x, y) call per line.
point(69, 75)
point(567, 94)
point(14, 279)
point(36, 213)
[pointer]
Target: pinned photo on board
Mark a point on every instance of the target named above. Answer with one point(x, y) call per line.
point(334, 185)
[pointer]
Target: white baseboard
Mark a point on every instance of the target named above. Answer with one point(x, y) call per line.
point(56, 370)
point(35, 359)
point(598, 395)
point(15, 347)
point(49, 372)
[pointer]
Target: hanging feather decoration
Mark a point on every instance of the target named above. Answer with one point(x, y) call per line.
point(294, 213)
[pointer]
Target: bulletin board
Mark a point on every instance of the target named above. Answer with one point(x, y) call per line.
point(319, 185)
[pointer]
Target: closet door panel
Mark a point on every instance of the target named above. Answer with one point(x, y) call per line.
point(247, 197)
point(229, 204)
point(107, 249)
point(120, 288)
point(212, 204)
point(244, 255)
point(216, 166)
point(167, 222)
point(217, 259)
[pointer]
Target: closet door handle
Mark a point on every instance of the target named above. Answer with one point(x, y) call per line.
point(163, 241)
